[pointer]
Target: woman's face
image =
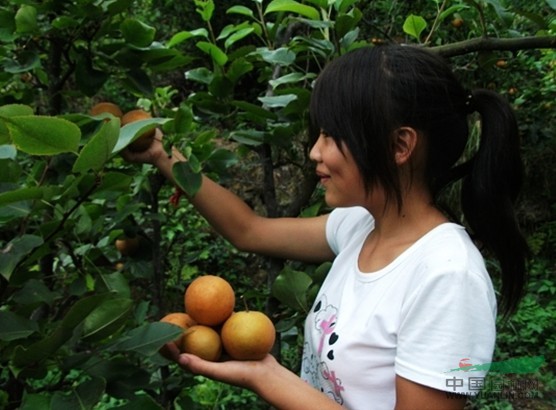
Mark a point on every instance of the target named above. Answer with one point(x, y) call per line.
point(338, 173)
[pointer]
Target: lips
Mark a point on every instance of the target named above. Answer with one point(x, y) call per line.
point(323, 177)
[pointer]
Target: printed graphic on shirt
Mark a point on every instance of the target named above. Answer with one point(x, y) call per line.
point(315, 368)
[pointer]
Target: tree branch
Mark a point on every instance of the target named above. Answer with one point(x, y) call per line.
point(494, 44)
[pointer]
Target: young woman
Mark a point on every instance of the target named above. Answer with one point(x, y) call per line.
point(408, 298)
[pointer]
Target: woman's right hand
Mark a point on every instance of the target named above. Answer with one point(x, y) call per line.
point(151, 155)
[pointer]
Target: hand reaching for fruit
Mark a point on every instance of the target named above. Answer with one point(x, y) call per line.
point(150, 155)
point(147, 148)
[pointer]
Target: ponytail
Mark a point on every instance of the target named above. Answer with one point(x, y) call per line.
point(490, 189)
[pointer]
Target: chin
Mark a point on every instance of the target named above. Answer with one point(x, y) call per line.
point(338, 203)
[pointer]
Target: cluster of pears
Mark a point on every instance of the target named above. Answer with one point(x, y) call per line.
point(143, 142)
point(212, 327)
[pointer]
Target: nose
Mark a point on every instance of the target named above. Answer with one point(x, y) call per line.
point(315, 154)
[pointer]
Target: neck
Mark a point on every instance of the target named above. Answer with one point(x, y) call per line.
point(418, 214)
point(396, 231)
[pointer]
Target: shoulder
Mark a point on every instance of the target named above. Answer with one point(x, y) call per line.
point(347, 225)
point(449, 268)
point(449, 249)
point(449, 310)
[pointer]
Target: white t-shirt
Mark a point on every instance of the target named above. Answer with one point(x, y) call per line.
point(427, 314)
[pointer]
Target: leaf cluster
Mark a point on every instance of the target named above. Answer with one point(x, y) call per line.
point(230, 87)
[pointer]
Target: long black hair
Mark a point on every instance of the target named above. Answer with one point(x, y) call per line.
point(361, 97)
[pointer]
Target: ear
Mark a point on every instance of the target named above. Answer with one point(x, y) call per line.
point(405, 140)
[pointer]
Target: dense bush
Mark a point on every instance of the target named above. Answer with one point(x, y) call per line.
point(228, 82)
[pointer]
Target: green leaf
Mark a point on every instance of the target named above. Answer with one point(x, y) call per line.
point(290, 287)
point(291, 78)
point(14, 110)
point(130, 132)
point(7, 26)
point(137, 33)
point(238, 68)
point(43, 349)
point(143, 402)
point(8, 151)
point(85, 396)
point(26, 19)
point(277, 101)
point(217, 55)
point(117, 283)
point(502, 11)
point(186, 178)
point(64, 22)
point(98, 150)
point(138, 81)
point(201, 75)
point(13, 327)
point(87, 78)
point(346, 23)
point(35, 401)
point(147, 339)
point(220, 159)
point(42, 135)
point(538, 19)
point(106, 319)
point(552, 4)
point(186, 35)
point(349, 39)
point(238, 35)
point(34, 292)
point(240, 10)
point(165, 59)
point(22, 194)
point(293, 7)
point(451, 10)
point(183, 120)
point(26, 61)
point(414, 26)
point(14, 210)
point(205, 8)
point(255, 111)
point(221, 86)
point(114, 182)
point(251, 138)
point(281, 56)
point(343, 5)
point(17, 249)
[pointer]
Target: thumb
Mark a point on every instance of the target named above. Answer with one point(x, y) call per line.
point(195, 364)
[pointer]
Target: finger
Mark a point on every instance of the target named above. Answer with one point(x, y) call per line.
point(237, 373)
point(170, 351)
point(222, 371)
point(193, 363)
point(156, 148)
point(158, 134)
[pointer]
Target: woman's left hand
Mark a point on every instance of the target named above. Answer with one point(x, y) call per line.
point(238, 373)
point(274, 383)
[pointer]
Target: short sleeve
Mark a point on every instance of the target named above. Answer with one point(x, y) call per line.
point(447, 326)
point(344, 223)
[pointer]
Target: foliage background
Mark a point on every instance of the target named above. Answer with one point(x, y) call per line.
point(228, 82)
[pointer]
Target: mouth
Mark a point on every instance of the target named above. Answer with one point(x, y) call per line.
point(323, 178)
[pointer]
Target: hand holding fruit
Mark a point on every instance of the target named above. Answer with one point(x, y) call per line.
point(243, 373)
point(150, 155)
point(147, 148)
point(211, 326)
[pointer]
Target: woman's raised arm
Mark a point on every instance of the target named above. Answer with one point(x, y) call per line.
point(301, 239)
